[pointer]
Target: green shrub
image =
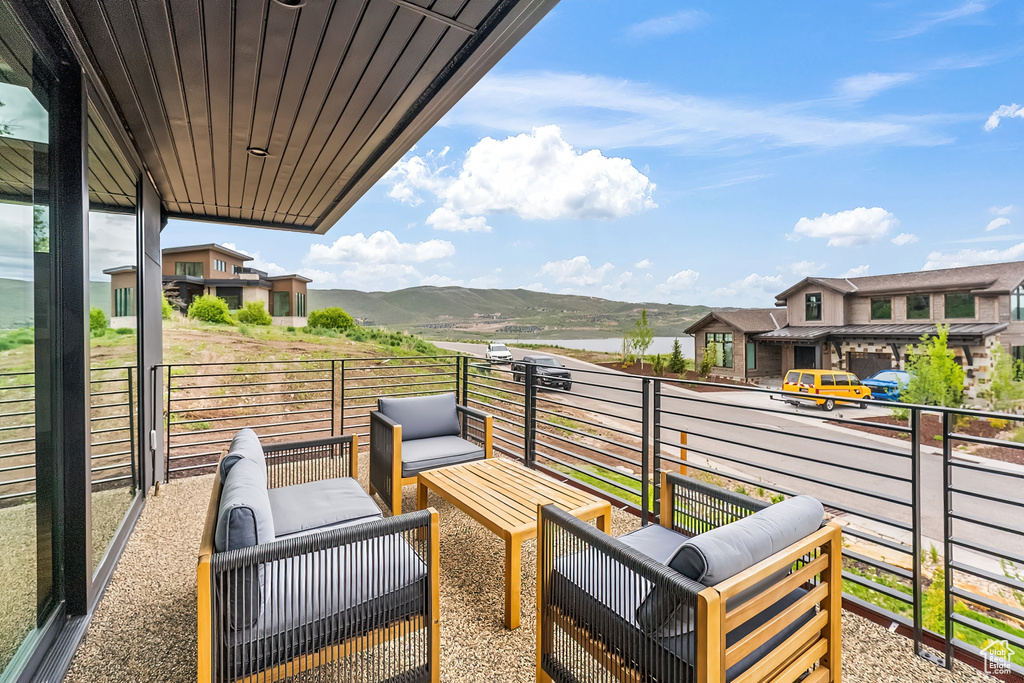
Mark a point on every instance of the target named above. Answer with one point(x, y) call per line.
point(658, 365)
point(332, 318)
point(290, 328)
point(97, 321)
point(934, 606)
point(1005, 391)
point(211, 309)
point(936, 378)
point(165, 306)
point(15, 338)
point(708, 359)
point(254, 313)
point(125, 330)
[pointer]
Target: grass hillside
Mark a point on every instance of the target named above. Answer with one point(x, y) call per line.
point(460, 312)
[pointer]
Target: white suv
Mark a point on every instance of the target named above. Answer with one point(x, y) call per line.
point(498, 353)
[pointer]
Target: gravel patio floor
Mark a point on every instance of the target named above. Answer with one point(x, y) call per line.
point(145, 628)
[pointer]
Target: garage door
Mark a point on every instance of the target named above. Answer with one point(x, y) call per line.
point(866, 364)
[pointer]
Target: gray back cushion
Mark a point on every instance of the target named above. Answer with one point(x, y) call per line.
point(246, 445)
point(721, 553)
point(244, 518)
point(423, 417)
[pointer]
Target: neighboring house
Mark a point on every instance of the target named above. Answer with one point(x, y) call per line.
point(866, 324)
point(740, 356)
point(193, 271)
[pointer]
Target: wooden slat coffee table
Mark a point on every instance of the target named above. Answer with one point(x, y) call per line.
point(503, 496)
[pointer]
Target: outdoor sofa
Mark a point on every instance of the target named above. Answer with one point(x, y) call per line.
point(413, 434)
point(298, 568)
point(727, 588)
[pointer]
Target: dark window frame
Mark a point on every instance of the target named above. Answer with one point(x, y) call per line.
point(750, 355)
point(220, 266)
point(724, 341)
point(181, 268)
point(880, 299)
point(124, 302)
point(960, 299)
point(927, 298)
point(813, 302)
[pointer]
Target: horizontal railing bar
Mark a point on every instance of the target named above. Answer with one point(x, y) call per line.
point(635, 449)
point(262, 436)
point(585, 421)
point(591, 461)
point(974, 467)
point(888, 498)
point(985, 496)
point(322, 370)
point(986, 441)
point(20, 454)
point(990, 631)
point(125, 477)
point(175, 411)
point(989, 603)
point(106, 456)
point(186, 387)
point(953, 514)
point(406, 393)
point(881, 588)
point(794, 435)
point(249, 416)
point(356, 391)
point(221, 430)
point(192, 456)
point(621, 487)
point(878, 540)
point(409, 376)
point(879, 564)
point(968, 544)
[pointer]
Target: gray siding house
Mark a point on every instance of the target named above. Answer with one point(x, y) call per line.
point(866, 324)
point(740, 355)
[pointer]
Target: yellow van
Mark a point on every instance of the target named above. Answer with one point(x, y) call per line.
point(824, 387)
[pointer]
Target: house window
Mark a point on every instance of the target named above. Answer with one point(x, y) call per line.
point(281, 301)
point(812, 306)
point(959, 305)
point(300, 304)
point(193, 268)
point(751, 356)
point(124, 301)
point(220, 265)
point(232, 295)
point(881, 308)
point(919, 306)
point(723, 344)
point(236, 270)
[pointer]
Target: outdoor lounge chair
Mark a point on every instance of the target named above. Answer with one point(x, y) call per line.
point(298, 569)
point(414, 434)
point(755, 595)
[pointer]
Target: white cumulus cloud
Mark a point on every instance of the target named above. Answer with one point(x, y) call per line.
point(536, 176)
point(1007, 111)
point(576, 271)
point(973, 257)
point(1001, 210)
point(753, 290)
point(858, 271)
point(646, 263)
point(847, 228)
point(997, 223)
point(381, 247)
point(806, 268)
point(904, 238)
point(684, 279)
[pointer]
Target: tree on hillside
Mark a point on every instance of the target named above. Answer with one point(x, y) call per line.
point(936, 377)
point(642, 335)
point(676, 362)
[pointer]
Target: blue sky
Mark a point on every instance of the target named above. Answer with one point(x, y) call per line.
point(708, 153)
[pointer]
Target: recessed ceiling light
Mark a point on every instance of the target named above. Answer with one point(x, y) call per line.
point(258, 152)
point(291, 4)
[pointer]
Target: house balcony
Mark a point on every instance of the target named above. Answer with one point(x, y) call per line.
point(914, 508)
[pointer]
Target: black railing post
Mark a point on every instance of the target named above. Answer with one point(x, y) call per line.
point(947, 531)
point(529, 415)
point(167, 417)
point(131, 432)
point(333, 433)
point(465, 378)
point(645, 463)
point(656, 448)
point(915, 529)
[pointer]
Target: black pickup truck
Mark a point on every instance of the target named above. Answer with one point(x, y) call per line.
point(548, 372)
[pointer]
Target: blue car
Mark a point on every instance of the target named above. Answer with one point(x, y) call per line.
point(887, 384)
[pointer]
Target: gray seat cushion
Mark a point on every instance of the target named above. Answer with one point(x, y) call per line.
point(440, 451)
point(423, 417)
point(245, 445)
point(244, 518)
point(320, 504)
point(603, 597)
point(326, 596)
point(716, 555)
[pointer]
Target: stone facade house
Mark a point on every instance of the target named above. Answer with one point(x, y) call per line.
point(740, 355)
point(866, 324)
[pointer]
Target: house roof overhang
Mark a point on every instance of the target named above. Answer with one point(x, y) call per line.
point(219, 248)
point(251, 112)
point(959, 333)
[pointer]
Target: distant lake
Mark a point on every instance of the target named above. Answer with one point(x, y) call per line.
point(614, 345)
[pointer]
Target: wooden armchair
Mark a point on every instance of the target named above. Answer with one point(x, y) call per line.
point(613, 609)
point(415, 434)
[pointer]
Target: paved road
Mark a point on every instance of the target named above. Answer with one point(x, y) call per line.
point(749, 433)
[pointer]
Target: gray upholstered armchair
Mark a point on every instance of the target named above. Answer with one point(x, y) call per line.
point(414, 434)
point(727, 588)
